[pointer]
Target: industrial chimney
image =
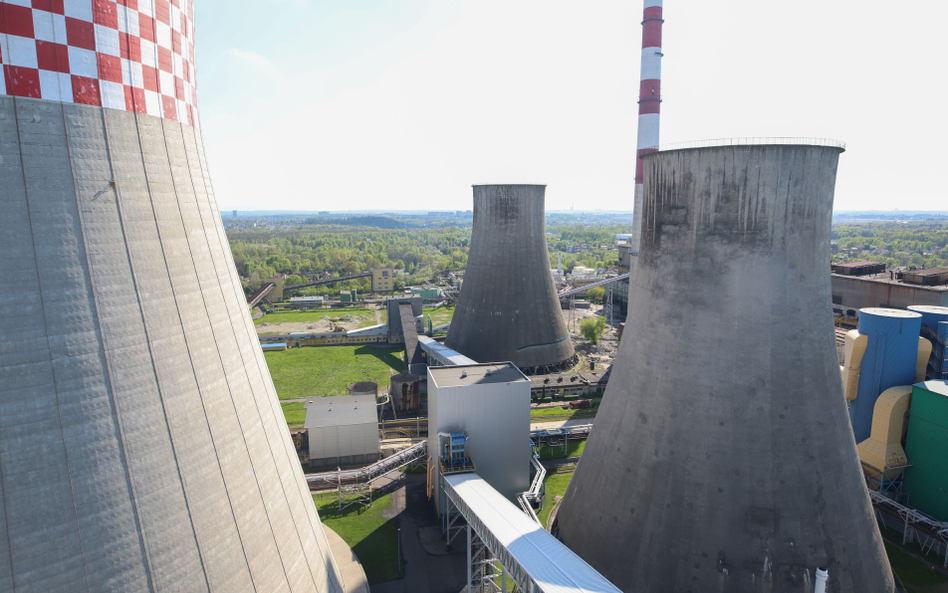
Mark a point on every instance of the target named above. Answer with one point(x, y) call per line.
point(723, 459)
point(508, 309)
point(142, 446)
point(650, 102)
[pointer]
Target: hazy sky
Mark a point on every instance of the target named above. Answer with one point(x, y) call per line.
point(403, 104)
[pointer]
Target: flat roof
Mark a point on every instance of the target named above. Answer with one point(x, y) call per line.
point(554, 567)
point(928, 272)
point(470, 374)
point(887, 312)
point(935, 386)
point(340, 410)
point(883, 278)
point(858, 264)
point(442, 353)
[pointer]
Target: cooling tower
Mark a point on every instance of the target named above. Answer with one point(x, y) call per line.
point(508, 309)
point(722, 458)
point(142, 446)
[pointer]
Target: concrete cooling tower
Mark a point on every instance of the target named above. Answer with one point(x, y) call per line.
point(142, 446)
point(722, 458)
point(508, 309)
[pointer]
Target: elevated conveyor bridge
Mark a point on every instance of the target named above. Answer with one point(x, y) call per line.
point(500, 534)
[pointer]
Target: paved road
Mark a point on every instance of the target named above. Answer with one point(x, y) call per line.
point(429, 567)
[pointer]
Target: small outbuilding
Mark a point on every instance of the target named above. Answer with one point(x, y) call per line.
point(342, 430)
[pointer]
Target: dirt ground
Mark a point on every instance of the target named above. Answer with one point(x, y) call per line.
point(602, 353)
point(321, 326)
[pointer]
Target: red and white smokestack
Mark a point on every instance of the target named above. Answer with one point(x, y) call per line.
point(650, 100)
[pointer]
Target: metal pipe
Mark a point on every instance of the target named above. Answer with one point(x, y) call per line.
point(821, 577)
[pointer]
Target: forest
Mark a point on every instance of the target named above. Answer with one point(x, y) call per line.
point(316, 246)
point(919, 244)
point(311, 248)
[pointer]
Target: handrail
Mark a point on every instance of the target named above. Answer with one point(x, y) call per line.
point(368, 473)
point(586, 287)
point(747, 141)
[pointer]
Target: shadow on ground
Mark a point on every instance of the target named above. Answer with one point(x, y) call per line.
point(429, 567)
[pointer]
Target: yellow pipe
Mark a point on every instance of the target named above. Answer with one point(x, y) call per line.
point(883, 448)
point(854, 350)
point(921, 363)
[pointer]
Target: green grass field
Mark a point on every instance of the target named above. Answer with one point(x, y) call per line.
point(294, 413)
point(574, 449)
point(555, 486)
point(365, 317)
point(439, 315)
point(915, 575)
point(327, 370)
point(372, 537)
point(555, 414)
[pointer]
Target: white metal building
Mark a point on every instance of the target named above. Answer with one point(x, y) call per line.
point(491, 404)
point(342, 430)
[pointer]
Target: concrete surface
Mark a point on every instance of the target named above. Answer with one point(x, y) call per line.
point(353, 575)
point(508, 309)
point(142, 445)
point(723, 458)
point(428, 565)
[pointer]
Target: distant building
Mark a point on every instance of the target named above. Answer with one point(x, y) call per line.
point(625, 257)
point(235, 214)
point(342, 430)
point(858, 268)
point(383, 280)
point(896, 290)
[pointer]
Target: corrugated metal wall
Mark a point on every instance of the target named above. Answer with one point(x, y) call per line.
point(496, 417)
point(889, 360)
point(926, 446)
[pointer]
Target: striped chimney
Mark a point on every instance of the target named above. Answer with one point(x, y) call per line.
point(650, 100)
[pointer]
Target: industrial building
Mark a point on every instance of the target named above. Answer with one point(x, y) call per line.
point(143, 445)
point(926, 441)
point(342, 430)
point(853, 290)
point(722, 459)
point(383, 279)
point(491, 404)
point(508, 309)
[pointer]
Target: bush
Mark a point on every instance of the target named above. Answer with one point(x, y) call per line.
point(592, 328)
point(596, 294)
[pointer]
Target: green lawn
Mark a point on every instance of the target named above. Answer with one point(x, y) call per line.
point(295, 414)
point(574, 449)
point(555, 414)
point(372, 537)
point(365, 317)
point(915, 575)
point(555, 486)
point(439, 315)
point(327, 370)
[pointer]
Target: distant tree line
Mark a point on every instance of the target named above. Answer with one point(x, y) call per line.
point(920, 244)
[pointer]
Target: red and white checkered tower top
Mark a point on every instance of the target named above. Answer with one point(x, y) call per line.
point(650, 100)
point(133, 55)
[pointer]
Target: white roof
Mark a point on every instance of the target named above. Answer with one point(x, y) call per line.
point(340, 410)
point(442, 353)
point(554, 567)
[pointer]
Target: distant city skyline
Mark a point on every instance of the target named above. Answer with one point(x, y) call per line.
point(377, 104)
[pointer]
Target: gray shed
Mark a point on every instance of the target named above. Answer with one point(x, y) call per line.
point(342, 430)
